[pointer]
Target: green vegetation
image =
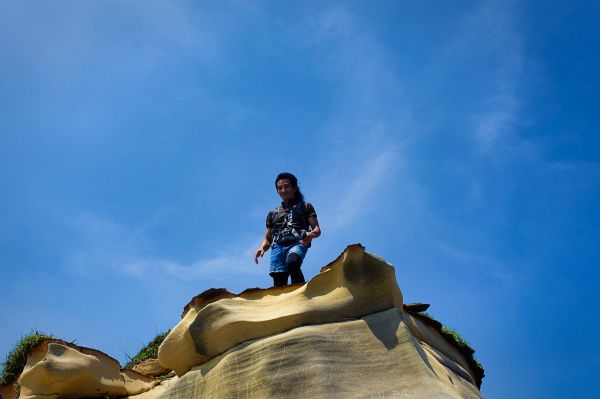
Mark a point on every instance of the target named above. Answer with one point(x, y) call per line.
point(459, 341)
point(17, 357)
point(457, 337)
point(150, 351)
point(446, 330)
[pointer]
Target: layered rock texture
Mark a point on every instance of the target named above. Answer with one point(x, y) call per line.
point(356, 284)
point(343, 334)
point(58, 369)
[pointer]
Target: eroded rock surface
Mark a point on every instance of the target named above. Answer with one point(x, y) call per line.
point(376, 356)
point(8, 391)
point(57, 369)
point(355, 284)
point(344, 334)
point(150, 367)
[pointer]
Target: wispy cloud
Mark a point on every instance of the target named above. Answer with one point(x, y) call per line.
point(230, 261)
point(361, 140)
point(336, 22)
point(103, 246)
point(508, 281)
point(360, 189)
point(501, 105)
point(485, 61)
point(496, 123)
point(109, 248)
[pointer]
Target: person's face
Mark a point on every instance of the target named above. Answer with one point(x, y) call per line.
point(285, 189)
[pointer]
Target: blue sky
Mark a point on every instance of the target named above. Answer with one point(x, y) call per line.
point(139, 141)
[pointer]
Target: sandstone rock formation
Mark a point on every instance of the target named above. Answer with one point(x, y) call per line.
point(344, 334)
point(374, 356)
point(150, 367)
point(354, 285)
point(58, 369)
point(8, 392)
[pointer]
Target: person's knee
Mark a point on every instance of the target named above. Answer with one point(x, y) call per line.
point(293, 261)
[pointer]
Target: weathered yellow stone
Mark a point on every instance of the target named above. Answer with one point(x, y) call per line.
point(344, 334)
point(150, 367)
point(445, 353)
point(158, 390)
point(8, 392)
point(57, 369)
point(136, 383)
point(376, 356)
point(355, 284)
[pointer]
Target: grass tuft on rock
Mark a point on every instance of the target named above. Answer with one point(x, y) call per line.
point(150, 351)
point(459, 342)
point(16, 359)
point(457, 337)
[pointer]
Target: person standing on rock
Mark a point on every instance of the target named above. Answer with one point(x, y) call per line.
point(291, 227)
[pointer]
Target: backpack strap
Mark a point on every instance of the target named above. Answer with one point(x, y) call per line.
point(302, 211)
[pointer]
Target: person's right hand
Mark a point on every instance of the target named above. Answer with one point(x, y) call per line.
point(259, 254)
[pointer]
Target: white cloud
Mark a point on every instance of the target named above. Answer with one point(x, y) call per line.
point(103, 246)
point(360, 144)
point(335, 22)
point(74, 40)
point(498, 122)
point(233, 261)
point(358, 190)
point(108, 248)
point(494, 26)
point(508, 280)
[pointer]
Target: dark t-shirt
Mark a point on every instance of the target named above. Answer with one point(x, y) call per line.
point(295, 217)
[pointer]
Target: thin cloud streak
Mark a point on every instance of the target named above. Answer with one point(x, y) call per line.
point(357, 174)
point(361, 189)
point(361, 140)
point(225, 263)
point(112, 249)
point(498, 121)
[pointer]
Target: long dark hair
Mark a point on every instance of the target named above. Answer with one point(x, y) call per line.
point(288, 176)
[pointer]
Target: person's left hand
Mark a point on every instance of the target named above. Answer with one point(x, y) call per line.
point(306, 240)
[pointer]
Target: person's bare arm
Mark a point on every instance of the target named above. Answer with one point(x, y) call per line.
point(315, 230)
point(264, 245)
